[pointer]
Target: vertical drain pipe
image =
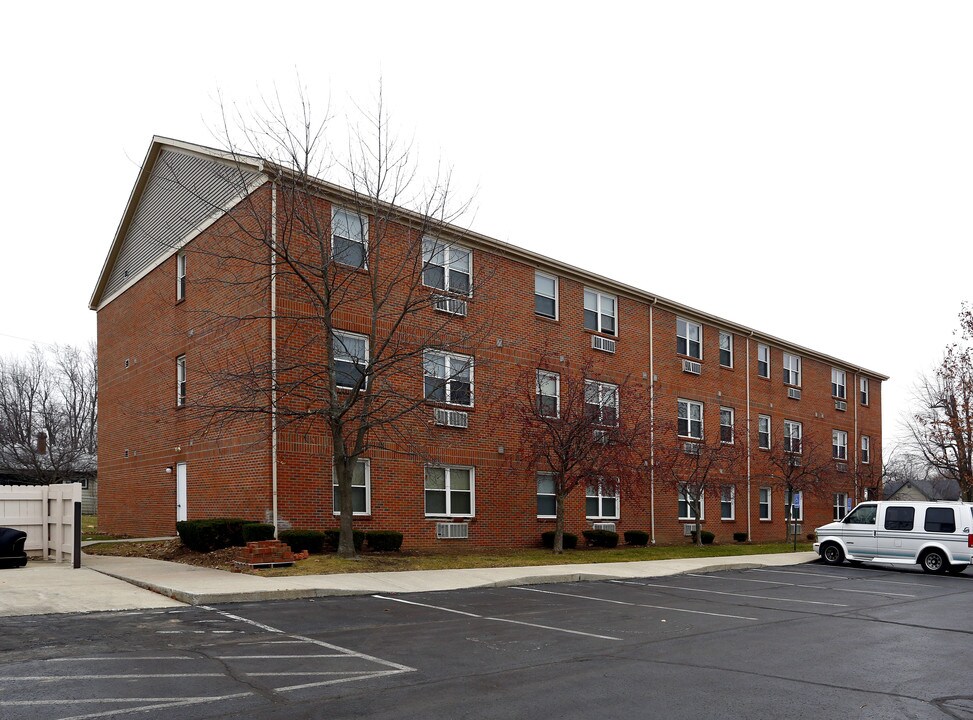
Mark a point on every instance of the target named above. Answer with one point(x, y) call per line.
point(652, 421)
point(749, 439)
point(273, 352)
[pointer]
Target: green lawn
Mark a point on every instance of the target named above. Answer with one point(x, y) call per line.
point(89, 529)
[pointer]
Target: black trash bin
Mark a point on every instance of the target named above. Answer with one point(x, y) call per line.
point(12, 553)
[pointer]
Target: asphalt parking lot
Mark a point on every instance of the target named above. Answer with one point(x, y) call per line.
point(807, 641)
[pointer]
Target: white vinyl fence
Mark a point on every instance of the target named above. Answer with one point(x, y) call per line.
point(45, 513)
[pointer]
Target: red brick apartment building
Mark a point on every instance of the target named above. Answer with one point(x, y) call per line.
point(173, 267)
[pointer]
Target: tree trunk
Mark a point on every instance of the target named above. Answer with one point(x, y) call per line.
point(346, 541)
point(559, 524)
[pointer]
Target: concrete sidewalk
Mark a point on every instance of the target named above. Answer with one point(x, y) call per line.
point(106, 583)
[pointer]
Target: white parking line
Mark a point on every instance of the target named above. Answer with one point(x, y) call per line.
point(278, 657)
point(361, 676)
point(844, 577)
point(812, 587)
point(495, 619)
point(798, 572)
point(132, 676)
point(621, 602)
point(719, 592)
point(159, 706)
point(122, 658)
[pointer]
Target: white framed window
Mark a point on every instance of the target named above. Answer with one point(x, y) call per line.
point(180, 381)
point(764, 502)
point(866, 449)
point(448, 377)
point(548, 394)
point(726, 425)
point(726, 349)
point(727, 502)
point(350, 358)
point(545, 295)
point(349, 237)
point(686, 510)
point(449, 491)
point(689, 338)
point(690, 419)
point(793, 432)
point(793, 505)
point(839, 444)
point(601, 402)
point(763, 432)
point(838, 383)
point(840, 506)
point(600, 503)
point(447, 267)
point(361, 489)
point(600, 312)
point(181, 276)
point(792, 369)
point(546, 498)
point(863, 390)
point(763, 360)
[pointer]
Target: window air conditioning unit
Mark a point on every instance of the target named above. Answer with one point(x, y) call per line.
point(794, 460)
point(793, 529)
point(691, 367)
point(601, 436)
point(452, 531)
point(451, 418)
point(794, 393)
point(841, 467)
point(690, 448)
point(840, 405)
point(610, 527)
point(688, 530)
point(453, 306)
point(602, 343)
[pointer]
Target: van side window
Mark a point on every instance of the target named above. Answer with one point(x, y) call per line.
point(900, 518)
point(940, 520)
point(861, 515)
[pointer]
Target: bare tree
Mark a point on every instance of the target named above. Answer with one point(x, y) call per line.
point(582, 430)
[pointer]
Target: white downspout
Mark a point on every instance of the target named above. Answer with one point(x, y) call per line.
point(273, 353)
point(857, 396)
point(652, 422)
point(749, 440)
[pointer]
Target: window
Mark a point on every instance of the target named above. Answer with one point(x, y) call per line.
point(838, 378)
point(349, 233)
point(601, 502)
point(449, 491)
point(792, 369)
point(862, 515)
point(545, 295)
point(548, 394)
point(546, 500)
point(866, 448)
point(448, 377)
point(446, 267)
point(181, 276)
point(601, 402)
point(689, 338)
point(792, 436)
point(727, 502)
point(726, 425)
point(793, 507)
point(350, 358)
point(361, 501)
point(765, 503)
point(940, 520)
point(686, 510)
point(726, 349)
point(690, 422)
point(763, 432)
point(839, 444)
point(599, 312)
point(863, 390)
point(900, 518)
point(763, 360)
point(180, 381)
point(839, 506)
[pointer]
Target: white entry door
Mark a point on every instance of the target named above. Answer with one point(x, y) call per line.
point(181, 492)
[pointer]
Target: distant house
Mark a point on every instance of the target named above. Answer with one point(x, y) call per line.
point(934, 488)
point(20, 465)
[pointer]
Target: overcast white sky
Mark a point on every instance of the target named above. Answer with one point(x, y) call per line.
point(802, 168)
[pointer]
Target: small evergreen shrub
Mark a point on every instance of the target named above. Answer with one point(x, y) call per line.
point(384, 540)
point(637, 537)
point(600, 538)
point(570, 540)
point(708, 537)
point(254, 532)
point(332, 537)
point(211, 533)
point(299, 540)
point(740, 536)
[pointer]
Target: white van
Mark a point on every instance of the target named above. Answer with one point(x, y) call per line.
point(936, 535)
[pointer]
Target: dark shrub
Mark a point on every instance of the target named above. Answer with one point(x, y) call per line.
point(211, 533)
point(600, 538)
point(708, 537)
point(740, 536)
point(254, 532)
point(384, 540)
point(810, 536)
point(570, 540)
point(298, 540)
point(637, 537)
point(331, 538)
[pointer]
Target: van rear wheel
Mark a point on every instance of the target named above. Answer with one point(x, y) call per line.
point(933, 561)
point(832, 554)
point(956, 569)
